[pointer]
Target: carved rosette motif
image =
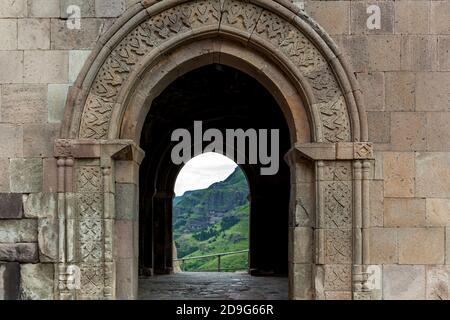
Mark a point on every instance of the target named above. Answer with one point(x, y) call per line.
point(90, 230)
point(192, 16)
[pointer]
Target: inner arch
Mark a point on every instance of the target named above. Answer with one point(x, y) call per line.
point(223, 98)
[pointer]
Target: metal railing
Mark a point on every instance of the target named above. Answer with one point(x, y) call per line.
point(218, 255)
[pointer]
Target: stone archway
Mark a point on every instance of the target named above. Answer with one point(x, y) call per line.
point(146, 49)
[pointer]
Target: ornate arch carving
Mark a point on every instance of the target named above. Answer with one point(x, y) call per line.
point(282, 31)
point(329, 194)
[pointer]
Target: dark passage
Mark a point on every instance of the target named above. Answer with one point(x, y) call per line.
point(223, 98)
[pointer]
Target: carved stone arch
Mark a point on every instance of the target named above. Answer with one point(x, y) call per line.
point(286, 51)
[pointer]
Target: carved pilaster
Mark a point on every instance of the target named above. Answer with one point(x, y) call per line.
point(365, 210)
point(86, 216)
point(357, 213)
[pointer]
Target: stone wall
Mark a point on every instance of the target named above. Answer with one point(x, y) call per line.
point(40, 57)
point(403, 68)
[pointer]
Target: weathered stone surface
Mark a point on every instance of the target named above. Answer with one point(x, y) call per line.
point(304, 205)
point(404, 212)
point(412, 17)
point(36, 281)
point(26, 175)
point(124, 238)
point(432, 92)
point(130, 3)
point(376, 203)
point(15, 231)
point(372, 85)
point(9, 281)
point(126, 201)
point(50, 183)
point(383, 246)
point(48, 66)
point(406, 134)
point(24, 103)
point(33, 34)
point(398, 174)
point(127, 172)
point(438, 131)
point(379, 127)
point(10, 206)
point(384, 53)
point(19, 252)
point(432, 175)
point(438, 283)
point(87, 8)
point(359, 17)
point(13, 8)
point(8, 34)
point(44, 207)
point(338, 295)
point(447, 245)
point(403, 282)
point(400, 91)
point(221, 287)
point(419, 53)
point(421, 245)
point(37, 139)
point(40, 205)
point(355, 48)
point(128, 281)
point(48, 239)
point(56, 101)
point(77, 58)
point(338, 246)
point(440, 17)
point(408, 131)
point(12, 141)
point(332, 16)
point(86, 37)
point(302, 239)
point(4, 175)
point(337, 277)
point(301, 277)
point(109, 8)
point(444, 53)
point(11, 64)
point(438, 212)
point(44, 8)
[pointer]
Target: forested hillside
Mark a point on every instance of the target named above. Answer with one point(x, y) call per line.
point(213, 220)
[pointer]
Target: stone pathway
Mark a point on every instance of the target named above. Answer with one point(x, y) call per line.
point(213, 286)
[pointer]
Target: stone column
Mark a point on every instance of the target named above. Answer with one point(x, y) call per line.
point(88, 255)
point(302, 218)
point(336, 177)
point(162, 230)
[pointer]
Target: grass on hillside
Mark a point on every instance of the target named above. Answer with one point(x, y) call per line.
point(225, 236)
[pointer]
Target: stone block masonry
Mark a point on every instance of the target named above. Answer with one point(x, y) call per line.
point(403, 70)
point(40, 58)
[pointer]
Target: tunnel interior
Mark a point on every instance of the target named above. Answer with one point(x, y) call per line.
point(222, 98)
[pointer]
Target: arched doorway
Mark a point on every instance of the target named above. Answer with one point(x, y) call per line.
point(150, 47)
point(211, 216)
point(211, 225)
point(222, 98)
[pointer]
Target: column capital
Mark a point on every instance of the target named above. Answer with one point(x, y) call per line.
point(319, 151)
point(90, 148)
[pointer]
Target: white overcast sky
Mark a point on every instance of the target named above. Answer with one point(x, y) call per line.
point(202, 171)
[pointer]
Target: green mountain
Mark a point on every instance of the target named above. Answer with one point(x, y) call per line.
point(213, 220)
